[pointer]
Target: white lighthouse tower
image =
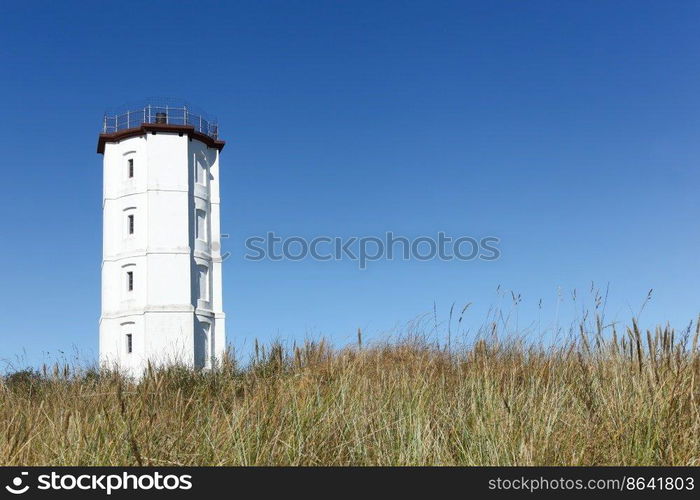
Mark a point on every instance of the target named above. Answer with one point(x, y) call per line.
point(161, 264)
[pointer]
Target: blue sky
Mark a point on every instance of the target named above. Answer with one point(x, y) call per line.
point(567, 129)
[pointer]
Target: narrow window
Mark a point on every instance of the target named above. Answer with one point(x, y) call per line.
point(201, 226)
point(130, 224)
point(207, 352)
point(200, 171)
point(129, 343)
point(130, 168)
point(202, 347)
point(203, 282)
point(130, 281)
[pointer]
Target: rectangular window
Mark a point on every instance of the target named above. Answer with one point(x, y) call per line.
point(130, 168)
point(207, 351)
point(129, 343)
point(199, 171)
point(130, 281)
point(201, 225)
point(203, 282)
point(130, 224)
point(202, 347)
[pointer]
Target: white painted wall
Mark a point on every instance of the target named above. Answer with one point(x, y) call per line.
point(162, 313)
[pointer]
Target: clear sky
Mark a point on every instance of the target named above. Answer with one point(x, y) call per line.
point(567, 129)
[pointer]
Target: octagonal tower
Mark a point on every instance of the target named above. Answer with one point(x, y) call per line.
point(161, 264)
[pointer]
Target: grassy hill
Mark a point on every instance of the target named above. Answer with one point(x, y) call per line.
point(626, 398)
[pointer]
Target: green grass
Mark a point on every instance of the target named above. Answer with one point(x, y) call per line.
point(630, 398)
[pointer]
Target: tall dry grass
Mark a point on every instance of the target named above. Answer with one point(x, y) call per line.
point(630, 398)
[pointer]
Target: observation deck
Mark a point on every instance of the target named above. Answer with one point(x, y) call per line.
point(139, 120)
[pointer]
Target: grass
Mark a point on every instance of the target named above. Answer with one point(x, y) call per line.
point(625, 398)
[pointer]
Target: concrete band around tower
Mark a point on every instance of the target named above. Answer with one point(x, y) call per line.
point(145, 128)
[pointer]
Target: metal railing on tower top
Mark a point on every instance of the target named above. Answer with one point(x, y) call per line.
point(159, 113)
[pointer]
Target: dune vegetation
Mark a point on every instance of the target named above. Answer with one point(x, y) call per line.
point(620, 396)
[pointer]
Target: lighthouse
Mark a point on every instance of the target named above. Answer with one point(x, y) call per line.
point(161, 261)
